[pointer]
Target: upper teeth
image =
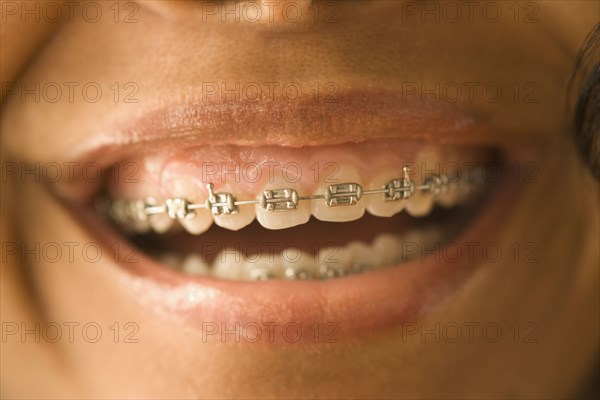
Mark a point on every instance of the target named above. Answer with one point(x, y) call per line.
point(339, 202)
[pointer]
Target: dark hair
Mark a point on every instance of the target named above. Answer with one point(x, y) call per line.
point(585, 79)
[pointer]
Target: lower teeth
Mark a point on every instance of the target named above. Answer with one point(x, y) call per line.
point(328, 262)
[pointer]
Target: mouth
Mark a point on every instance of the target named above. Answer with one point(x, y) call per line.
point(338, 232)
point(280, 213)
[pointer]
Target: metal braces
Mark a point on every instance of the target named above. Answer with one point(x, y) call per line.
point(275, 200)
point(323, 272)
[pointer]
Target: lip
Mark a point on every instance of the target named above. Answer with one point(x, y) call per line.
point(355, 116)
point(355, 305)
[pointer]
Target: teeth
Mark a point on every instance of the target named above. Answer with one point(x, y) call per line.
point(129, 213)
point(360, 256)
point(188, 188)
point(283, 219)
point(450, 198)
point(376, 205)
point(465, 191)
point(262, 267)
point(235, 205)
point(421, 202)
point(228, 265)
point(281, 205)
point(199, 223)
point(195, 265)
point(160, 222)
point(334, 262)
point(386, 247)
point(244, 216)
point(299, 265)
point(344, 213)
point(330, 262)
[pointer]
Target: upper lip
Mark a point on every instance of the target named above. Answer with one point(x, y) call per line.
point(353, 116)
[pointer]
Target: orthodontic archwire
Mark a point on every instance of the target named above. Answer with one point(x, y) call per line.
point(275, 200)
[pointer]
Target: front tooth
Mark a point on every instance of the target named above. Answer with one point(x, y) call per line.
point(227, 264)
point(341, 213)
point(195, 264)
point(285, 218)
point(376, 204)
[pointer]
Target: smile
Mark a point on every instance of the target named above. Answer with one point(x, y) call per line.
point(229, 228)
point(280, 208)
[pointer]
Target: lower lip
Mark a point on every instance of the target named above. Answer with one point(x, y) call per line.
point(305, 312)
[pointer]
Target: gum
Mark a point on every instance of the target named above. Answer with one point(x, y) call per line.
point(246, 171)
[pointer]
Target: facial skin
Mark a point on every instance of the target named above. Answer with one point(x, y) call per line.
point(370, 45)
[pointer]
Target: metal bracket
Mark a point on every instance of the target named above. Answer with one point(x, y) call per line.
point(220, 203)
point(179, 208)
point(343, 194)
point(399, 189)
point(279, 200)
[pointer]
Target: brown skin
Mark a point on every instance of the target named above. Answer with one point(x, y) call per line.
point(171, 50)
